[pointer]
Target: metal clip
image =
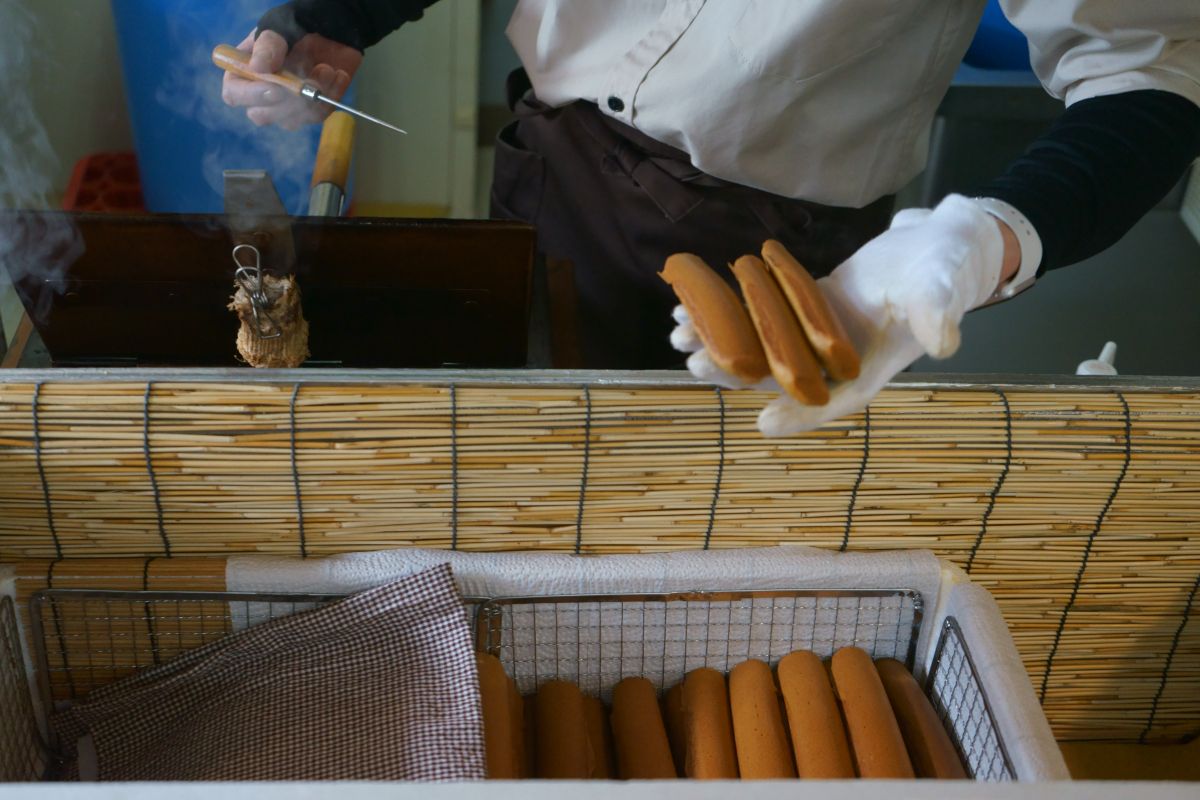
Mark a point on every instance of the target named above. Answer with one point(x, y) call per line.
point(250, 278)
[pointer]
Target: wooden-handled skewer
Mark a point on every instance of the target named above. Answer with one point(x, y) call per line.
point(231, 59)
point(332, 169)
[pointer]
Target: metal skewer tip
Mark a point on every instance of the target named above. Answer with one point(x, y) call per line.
point(313, 94)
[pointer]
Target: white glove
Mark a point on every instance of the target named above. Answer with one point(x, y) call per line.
point(903, 294)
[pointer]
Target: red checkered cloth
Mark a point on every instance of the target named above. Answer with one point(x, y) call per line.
point(379, 686)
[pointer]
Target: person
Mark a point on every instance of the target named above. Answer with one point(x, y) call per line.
point(648, 127)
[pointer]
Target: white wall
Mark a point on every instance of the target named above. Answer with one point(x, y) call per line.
point(423, 78)
point(77, 88)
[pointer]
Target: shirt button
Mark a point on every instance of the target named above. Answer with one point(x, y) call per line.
point(616, 104)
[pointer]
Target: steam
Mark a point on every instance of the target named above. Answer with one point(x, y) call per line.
point(36, 243)
point(39, 243)
point(191, 88)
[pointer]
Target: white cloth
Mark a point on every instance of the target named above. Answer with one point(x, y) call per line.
point(1019, 718)
point(827, 100)
point(903, 294)
point(541, 638)
point(526, 574)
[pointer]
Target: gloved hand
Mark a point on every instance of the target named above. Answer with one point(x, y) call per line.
point(284, 42)
point(902, 295)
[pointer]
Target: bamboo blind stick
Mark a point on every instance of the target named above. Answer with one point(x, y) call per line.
point(1081, 517)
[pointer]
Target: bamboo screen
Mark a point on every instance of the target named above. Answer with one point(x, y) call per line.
point(1079, 509)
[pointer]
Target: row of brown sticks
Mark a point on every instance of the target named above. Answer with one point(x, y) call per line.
point(786, 328)
point(851, 717)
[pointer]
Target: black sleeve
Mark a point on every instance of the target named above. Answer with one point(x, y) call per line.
point(357, 23)
point(1105, 162)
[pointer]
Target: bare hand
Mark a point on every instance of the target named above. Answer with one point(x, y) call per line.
point(321, 62)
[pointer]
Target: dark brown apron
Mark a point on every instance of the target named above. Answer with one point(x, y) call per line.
point(616, 203)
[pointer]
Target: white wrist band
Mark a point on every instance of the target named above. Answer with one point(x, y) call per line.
point(1027, 238)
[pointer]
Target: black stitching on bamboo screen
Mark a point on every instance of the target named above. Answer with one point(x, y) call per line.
point(154, 652)
point(158, 510)
point(453, 466)
point(583, 478)
point(1008, 451)
point(1162, 686)
point(58, 632)
point(296, 471)
point(37, 456)
point(1087, 550)
point(862, 470)
point(716, 496)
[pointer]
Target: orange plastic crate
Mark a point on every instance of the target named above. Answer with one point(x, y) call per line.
point(105, 182)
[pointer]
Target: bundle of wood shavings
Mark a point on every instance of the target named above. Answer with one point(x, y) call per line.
point(282, 314)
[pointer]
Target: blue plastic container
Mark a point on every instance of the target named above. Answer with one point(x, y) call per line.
point(997, 44)
point(185, 136)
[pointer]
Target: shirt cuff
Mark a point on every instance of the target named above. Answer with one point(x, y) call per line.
point(1165, 80)
point(1028, 240)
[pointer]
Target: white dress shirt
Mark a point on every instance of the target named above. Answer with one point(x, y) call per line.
point(828, 100)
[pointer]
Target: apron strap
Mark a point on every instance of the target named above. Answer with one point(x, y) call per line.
point(663, 178)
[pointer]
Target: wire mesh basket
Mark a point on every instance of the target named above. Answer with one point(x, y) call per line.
point(595, 641)
point(83, 639)
point(958, 696)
